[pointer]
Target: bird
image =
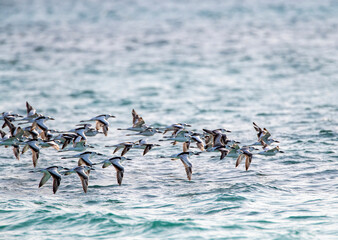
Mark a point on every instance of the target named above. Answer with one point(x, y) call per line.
point(91, 132)
point(149, 131)
point(195, 137)
point(52, 171)
point(245, 153)
point(66, 138)
point(234, 150)
point(10, 115)
point(138, 124)
point(10, 141)
point(15, 132)
point(125, 145)
point(46, 144)
point(84, 157)
point(101, 122)
point(31, 112)
point(40, 122)
point(81, 130)
point(78, 146)
point(82, 172)
point(215, 138)
point(182, 136)
point(269, 151)
point(116, 162)
point(224, 151)
point(32, 145)
point(264, 135)
point(184, 157)
point(176, 127)
point(143, 144)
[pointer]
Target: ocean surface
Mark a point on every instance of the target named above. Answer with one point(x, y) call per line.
point(212, 64)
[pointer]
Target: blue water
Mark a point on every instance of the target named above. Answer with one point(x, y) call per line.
point(208, 63)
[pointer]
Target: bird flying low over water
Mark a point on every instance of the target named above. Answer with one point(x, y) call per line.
point(263, 135)
point(101, 122)
point(53, 172)
point(195, 137)
point(31, 113)
point(149, 131)
point(176, 127)
point(116, 162)
point(83, 173)
point(184, 157)
point(269, 151)
point(78, 146)
point(138, 124)
point(245, 153)
point(32, 145)
point(143, 144)
point(10, 116)
point(84, 158)
point(126, 146)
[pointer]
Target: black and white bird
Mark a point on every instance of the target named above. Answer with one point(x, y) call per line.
point(101, 122)
point(32, 145)
point(84, 158)
point(116, 162)
point(184, 157)
point(53, 172)
point(83, 173)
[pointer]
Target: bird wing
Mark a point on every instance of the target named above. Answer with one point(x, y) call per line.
point(30, 110)
point(126, 148)
point(147, 149)
point(56, 178)
point(248, 159)
point(119, 171)
point(187, 165)
point(35, 157)
point(44, 179)
point(84, 179)
point(16, 151)
point(239, 159)
point(119, 177)
point(24, 149)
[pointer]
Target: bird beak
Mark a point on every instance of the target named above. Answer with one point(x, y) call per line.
point(100, 154)
point(128, 159)
point(281, 151)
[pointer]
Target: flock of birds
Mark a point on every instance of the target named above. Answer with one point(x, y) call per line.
point(32, 133)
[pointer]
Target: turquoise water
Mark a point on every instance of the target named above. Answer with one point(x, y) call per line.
point(208, 63)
